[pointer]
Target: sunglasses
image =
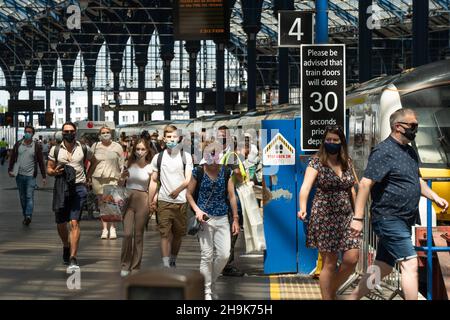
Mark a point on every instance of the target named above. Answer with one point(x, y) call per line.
point(412, 125)
point(335, 127)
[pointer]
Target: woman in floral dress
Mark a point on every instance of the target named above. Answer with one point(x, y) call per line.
point(331, 213)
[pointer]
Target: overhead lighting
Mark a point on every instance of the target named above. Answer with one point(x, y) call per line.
point(83, 4)
point(27, 62)
point(66, 35)
point(12, 68)
point(40, 54)
point(53, 45)
point(129, 13)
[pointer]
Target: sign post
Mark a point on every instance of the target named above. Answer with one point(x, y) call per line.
point(295, 28)
point(322, 90)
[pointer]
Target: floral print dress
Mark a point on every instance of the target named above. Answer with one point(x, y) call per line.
point(331, 212)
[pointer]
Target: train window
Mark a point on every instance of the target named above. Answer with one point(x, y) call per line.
point(433, 137)
point(432, 142)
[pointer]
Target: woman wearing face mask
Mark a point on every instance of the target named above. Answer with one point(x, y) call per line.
point(211, 208)
point(105, 170)
point(137, 178)
point(332, 210)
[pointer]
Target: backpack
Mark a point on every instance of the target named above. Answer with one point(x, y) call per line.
point(200, 175)
point(160, 157)
point(83, 146)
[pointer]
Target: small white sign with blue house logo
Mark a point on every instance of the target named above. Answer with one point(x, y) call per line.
point(279, 152)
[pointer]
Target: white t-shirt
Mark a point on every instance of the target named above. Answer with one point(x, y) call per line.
point(139, 178)
point(172, 175)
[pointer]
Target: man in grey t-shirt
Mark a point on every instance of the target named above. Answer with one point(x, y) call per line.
point(26, 156)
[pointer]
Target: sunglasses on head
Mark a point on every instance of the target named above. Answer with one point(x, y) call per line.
point(412, 125)
point(335, 127)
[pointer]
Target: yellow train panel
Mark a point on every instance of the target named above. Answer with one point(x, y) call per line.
point(441, 188)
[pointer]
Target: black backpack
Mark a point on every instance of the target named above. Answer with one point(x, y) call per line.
point(160, 157)
point(83, 146)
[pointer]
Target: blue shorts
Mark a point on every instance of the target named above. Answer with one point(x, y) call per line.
point(73, 206)
point(394, 240)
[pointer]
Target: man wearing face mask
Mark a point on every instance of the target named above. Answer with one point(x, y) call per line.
point(25, 158)
point(67, 161)
point(392, 176)
point(173, 169)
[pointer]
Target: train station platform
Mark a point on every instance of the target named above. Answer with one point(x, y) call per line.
point(31, 263)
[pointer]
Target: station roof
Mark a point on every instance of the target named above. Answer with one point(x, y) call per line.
point(34, 32)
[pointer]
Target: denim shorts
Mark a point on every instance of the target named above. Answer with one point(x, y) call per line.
point(394, 240)
point(73, 205)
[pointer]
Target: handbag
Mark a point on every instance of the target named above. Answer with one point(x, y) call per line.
point(350, 190)
point(114, 203)
point(193, 226)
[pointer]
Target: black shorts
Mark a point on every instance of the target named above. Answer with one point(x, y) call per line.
point(72, 208)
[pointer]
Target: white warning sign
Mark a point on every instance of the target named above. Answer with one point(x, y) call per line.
point(278, 152)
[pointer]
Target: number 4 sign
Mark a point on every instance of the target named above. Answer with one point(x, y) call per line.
point(295, 28)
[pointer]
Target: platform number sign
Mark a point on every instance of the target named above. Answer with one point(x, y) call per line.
point(322, 69)
point(295, 28)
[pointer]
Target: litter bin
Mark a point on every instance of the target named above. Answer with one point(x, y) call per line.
point(165, 284)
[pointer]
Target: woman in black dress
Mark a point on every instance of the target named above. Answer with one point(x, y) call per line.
point(331, 213)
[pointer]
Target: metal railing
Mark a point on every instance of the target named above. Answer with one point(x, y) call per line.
point(430, 248)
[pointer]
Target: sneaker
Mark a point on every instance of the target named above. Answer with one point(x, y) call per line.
point(173, 264)
point(112, 233)
point(124, 273)
point(73, 263)
point(231, 271)
point(66, 255)
point(104, 234)
point(208, 296)
point(26, 221)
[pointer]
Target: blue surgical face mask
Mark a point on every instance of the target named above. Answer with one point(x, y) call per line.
point(27, 136)
point(171, 144)
point(332, 148)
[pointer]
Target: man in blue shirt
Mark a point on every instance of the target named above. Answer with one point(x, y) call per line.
point(392, 176)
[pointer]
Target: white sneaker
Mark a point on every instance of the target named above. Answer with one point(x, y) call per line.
point(104, 234)
point(124, 273)
point(208, 296)
point(112, 233)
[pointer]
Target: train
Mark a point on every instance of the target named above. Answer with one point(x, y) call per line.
point(425, 89)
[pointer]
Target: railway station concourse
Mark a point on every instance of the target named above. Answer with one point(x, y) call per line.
point(275, 73)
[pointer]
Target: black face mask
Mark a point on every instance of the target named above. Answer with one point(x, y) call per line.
point(69, 137)
point(410, 133)
point(332, 148)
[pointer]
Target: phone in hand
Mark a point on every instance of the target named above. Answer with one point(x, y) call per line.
point(205, 217)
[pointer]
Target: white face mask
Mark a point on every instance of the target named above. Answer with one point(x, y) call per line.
point(105, 136)
point(140, 154)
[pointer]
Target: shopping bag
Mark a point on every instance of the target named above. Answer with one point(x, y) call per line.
point(253, 222)
point(193, 225)
point(114, 202)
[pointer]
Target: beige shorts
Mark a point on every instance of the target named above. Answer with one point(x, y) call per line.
point(99, 183)
point(172, 218)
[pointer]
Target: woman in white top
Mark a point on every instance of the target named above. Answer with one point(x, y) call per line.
point(137, 177)
point(105, 170)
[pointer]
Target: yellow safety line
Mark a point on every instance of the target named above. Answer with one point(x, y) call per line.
point(275, 292)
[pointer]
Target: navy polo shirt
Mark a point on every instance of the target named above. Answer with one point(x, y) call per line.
point(395, 170)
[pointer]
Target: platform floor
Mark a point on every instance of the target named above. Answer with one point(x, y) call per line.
point(31, 266)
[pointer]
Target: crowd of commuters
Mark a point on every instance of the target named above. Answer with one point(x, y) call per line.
point(172, 177)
